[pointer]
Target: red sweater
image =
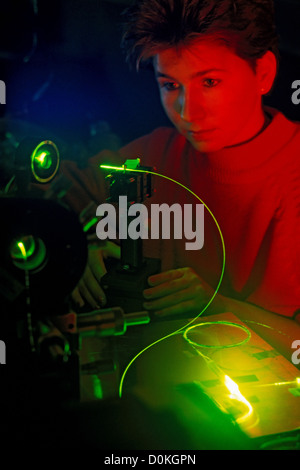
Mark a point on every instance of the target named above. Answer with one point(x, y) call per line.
point(253, 191)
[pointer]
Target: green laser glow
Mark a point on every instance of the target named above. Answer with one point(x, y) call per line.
point(117, 168)
point(98, 392)
point(221, 276)
point(278, 384)
point(90, 224)
point(235, 394)
point(130, 166)
point(28, 252)
point(22, 249)
point(44, 160)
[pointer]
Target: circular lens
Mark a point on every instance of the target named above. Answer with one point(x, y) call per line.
point(45, 161)
point(28, 253)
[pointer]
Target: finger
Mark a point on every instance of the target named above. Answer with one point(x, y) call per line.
point(77, 297)
point(88, 297)
point(112, 250)
point(173, 299)
point(96, 265)
point(187, 308)
point(96, 261)
point(166, 276)
point(90, 287)
point(166, 288)
point(95, 242)
point(180, 279)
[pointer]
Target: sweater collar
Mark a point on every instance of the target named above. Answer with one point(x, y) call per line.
point(254, 153)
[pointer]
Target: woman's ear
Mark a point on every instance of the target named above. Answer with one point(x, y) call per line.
point(266, 70)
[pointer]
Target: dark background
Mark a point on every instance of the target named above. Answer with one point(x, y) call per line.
point(66, 76)
point(66, 79)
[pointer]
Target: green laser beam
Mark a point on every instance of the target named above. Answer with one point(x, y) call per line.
point(90, 224)
point(219, 283)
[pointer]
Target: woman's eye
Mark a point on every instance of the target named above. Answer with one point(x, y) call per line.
point(170, 86)
point(210, 82)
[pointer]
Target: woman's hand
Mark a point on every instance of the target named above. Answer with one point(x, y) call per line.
point(178, 291)
point(88, 289)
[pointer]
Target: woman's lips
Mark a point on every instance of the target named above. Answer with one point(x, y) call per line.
point(201, 133)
